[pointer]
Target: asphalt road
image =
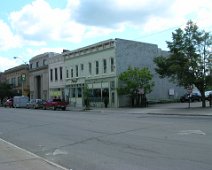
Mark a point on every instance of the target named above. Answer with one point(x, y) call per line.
point(111, 141)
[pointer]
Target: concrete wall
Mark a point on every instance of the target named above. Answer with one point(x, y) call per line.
point(138, 54)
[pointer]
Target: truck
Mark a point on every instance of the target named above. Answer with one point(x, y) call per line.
point(55, 104)
point(20, 101)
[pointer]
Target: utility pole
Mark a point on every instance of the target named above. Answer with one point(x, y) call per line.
point(23, 76)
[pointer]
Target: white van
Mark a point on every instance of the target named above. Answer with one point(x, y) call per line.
point(20, 101)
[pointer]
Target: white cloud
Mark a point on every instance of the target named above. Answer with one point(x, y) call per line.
point(198, 11)
point(7, 38)
point(38, 21)
point(32, 52)
point(38, 24)
point(6, 63)
point(133, 5)
point(177, 15)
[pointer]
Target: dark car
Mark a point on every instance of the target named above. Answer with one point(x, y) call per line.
point(35, 104)
point(8, 103)
point(192, 97)
point(55, 104)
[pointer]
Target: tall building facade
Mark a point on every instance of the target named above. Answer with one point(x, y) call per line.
point(39, 76)
point(98, 66)
point(18, 78)
point(94, 67)
point(2, 77)
point(56, 77)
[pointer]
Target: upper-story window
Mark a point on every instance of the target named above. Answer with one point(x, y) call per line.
point(51, 75)
point(112, 64)
point(104, 66)
point(90, 68)
point(81, 67)
point(44, 62)
point(97, 67)
point(19, 81)
point(72, 73)
point(37, 64)
point(31, 66)
point(67, 73)
point(13, 82)
point(77, 73)
point(55, 72)
point(61, 73)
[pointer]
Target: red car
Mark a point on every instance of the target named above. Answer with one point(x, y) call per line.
point(54, 104)
point(8, 103)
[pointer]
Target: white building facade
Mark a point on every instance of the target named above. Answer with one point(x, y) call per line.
point(97, 66)
point(56, 77)
point(93, 66)
point(39, 76)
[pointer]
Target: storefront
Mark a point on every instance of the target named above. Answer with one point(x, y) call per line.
point(100, 91)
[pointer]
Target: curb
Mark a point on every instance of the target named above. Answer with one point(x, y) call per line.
point(178, 114)
point(34, 155)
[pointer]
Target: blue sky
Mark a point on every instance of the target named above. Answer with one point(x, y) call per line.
point(32, 27)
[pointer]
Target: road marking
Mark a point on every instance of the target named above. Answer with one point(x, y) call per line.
point(60, 152)
point(189, 132)
point(57, 152)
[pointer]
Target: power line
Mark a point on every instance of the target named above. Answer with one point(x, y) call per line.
point(159, 32)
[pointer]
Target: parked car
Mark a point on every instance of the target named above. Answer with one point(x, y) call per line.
point(8, 103)
point(35, 104)
point(208, 94)
point(55, 104)
point(20, 101)
point(193, 97)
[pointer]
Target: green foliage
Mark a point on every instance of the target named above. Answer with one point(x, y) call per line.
point(134, 79)
point(189, 62)
point(5, 91)
point(86, 96)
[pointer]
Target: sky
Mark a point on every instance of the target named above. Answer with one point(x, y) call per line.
point(32, 27)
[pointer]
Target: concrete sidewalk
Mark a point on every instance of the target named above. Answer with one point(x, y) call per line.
point(163, 109)
point(15, 158)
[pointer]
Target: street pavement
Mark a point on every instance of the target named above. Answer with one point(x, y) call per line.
point(15, 158)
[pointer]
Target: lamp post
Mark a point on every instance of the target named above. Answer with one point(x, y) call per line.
point(15, 57)
point(23, 76)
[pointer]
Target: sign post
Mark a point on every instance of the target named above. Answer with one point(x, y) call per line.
point(189, 91)
point(23, 78)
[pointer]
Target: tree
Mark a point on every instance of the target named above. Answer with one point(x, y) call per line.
point(86, 95)
point(189, 62)
point(134, 82)
point(5, 91)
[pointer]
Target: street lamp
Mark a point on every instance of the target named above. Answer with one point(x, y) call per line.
point(15, 57)
point(23, 76)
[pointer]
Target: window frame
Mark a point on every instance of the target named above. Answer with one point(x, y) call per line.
point(97, 67)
